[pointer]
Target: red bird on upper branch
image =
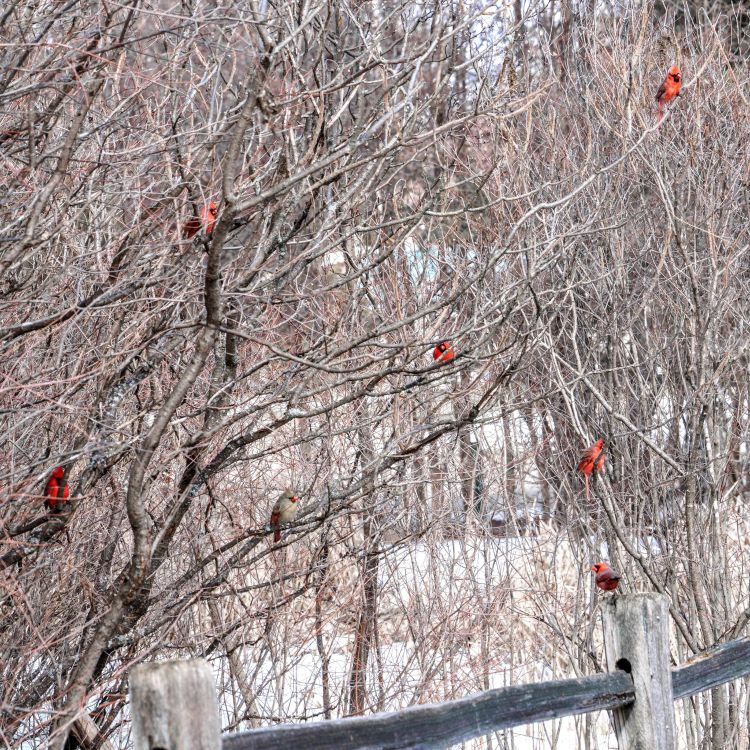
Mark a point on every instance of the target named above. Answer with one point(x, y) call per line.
point(592, 461)
point(57, 491)
point(443, 352)
point(669, 89)
point(606, 578)
point(206, 221)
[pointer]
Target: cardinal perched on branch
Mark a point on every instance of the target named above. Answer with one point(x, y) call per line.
point(208, 216)
point(283, 511)
point(606, 578)
point(592, 461)
point(669, 89)
point(443, 352)
point(56, 492)
point(206, 221)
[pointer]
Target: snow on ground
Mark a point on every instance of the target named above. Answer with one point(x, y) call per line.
point(468, 573)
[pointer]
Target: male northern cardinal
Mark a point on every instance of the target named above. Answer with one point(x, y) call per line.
point(56, 491)
point(283, 511)
point(669, 89)
point(443, 352)
point(206, 221)
point(606, 578)
point(592, 460)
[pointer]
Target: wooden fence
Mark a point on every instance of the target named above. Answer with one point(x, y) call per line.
point(174, 704)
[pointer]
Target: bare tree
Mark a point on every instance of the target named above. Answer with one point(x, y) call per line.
point(388, 176)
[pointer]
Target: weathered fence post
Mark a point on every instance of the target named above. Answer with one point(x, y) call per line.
point(174, 706)
point(636, 639)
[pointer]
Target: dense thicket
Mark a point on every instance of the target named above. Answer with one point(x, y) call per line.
point(388, 175)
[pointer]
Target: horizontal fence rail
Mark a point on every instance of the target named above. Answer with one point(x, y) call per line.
point(726, 662)
point(445, 724)
point(174, 703)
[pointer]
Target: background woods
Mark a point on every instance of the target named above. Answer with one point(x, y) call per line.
point(388, 176)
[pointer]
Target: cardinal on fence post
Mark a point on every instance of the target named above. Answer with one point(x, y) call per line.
point(606, 578)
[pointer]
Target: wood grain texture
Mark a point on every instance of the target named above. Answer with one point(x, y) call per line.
point(445, 724)
point(636, 637)
point(174, 706)
point(728, 661)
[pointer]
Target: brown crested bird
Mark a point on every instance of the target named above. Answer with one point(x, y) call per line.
point(592, 461)
point(56, 491)
point(284, 511)
point(606, 578)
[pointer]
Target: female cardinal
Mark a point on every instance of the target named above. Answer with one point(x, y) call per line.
point(56, 491)
point(606, 578)
point(443, 352)
point(207, 220)
point(283, 511)
point(592, 460)
point(669, 89)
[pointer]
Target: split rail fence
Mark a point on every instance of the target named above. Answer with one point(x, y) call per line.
point(174, 704)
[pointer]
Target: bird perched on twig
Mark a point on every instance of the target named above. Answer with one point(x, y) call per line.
point(284, 511)
point(592, 461)
point(606, 578)
point(207, 219)
point(443, 352)
point(669, 89)
point(56, 491)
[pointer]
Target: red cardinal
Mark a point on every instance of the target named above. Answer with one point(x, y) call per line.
point(606, 578)
point(443, 352)
point(669, 89)
point(56, 491)
point(592, 460)
point(284, 511)
point(206, 221)
point(208, 216)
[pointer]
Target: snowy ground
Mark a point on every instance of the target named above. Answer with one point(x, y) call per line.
point(453, 570)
